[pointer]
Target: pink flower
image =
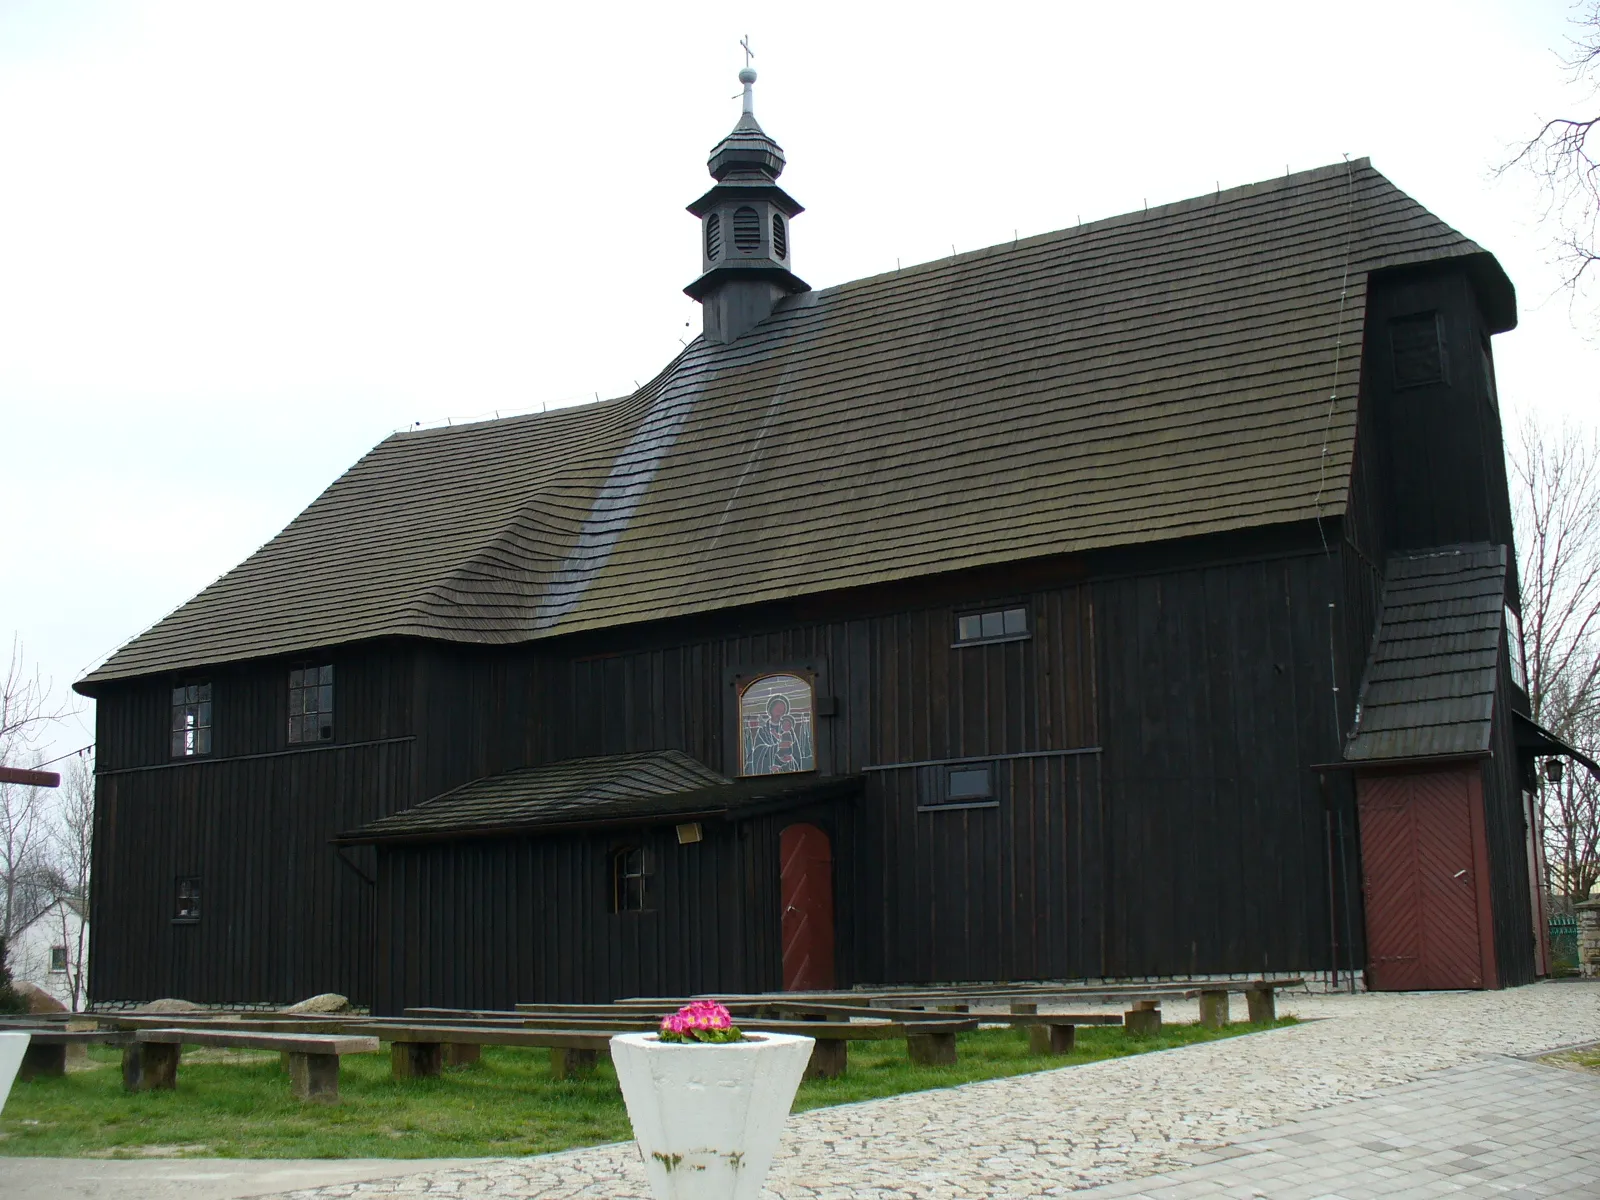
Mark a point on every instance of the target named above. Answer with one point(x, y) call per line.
point(701, 1014)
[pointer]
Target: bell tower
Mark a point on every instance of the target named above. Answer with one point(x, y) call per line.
point(744, 229)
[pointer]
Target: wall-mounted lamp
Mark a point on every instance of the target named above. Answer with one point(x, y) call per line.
point(1553, 768)
point(689, 834)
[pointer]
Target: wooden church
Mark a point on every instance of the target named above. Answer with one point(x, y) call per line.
point(1133, 600)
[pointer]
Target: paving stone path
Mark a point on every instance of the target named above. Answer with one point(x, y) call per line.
point(1131, 1119)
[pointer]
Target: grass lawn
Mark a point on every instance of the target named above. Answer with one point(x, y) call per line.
point(238, 1105)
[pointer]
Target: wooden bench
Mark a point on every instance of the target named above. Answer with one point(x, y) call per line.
point(1052, 1033)
point(150, 1061)
point(419, 1051)
point(46, 1055)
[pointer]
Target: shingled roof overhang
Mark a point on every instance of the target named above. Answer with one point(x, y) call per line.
point(1159, 375)
point(647, 788)
point(1533, 738)
point(1429, 688)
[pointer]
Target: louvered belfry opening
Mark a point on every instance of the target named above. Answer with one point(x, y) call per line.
point(746, 230)
point(714, 236)
point(780, 240)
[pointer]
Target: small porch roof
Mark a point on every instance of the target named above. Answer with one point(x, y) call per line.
point(650, 787)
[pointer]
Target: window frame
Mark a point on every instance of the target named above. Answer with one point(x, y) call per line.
point(933, 786)
point(1000, 610)
point(325, 679)
point(187, 888)
point(616, 860)
point(62, 969)
point(204, 704)
point(1440, 345)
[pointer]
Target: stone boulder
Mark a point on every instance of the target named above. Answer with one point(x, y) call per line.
point(327, 1002)
point(38, 1000)
point(169, 1005)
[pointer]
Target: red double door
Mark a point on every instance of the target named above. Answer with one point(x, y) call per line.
point(1425, 881)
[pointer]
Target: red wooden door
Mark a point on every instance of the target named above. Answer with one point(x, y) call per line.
point(1424, 881)
point(806, 887)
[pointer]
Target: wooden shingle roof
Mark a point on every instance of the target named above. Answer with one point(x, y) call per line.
point(1429, 686)
point(1185, 370)
point(645, 787)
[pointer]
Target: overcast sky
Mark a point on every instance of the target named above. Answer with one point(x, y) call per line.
point(242, 243)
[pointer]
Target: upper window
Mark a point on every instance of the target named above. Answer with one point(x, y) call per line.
point(1519, 668)
point(630, 876)
point(1418, 350)
point(188, 908)
point(311, 704)
point(1002, 624)
point(191, 720)
point(714, 236)
point(780, 237)
point(746, 230)
point(58, 959)
point(957, 785)
point(775, 726)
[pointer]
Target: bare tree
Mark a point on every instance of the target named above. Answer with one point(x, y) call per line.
point(1567, 162)
point(72, 854)
point(1557, 502)
point(27, 883)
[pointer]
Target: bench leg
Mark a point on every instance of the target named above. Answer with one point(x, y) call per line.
point(1263, 1004)
point(1052, 1039)
point(150, 1066)
point(828, 1058)
point(414, 1060)
point(1214, 1009)
point(572, 1064)
point(462, 1054)
point(1142, 1022)
point(314, 1077)
point(42, 1062)
point(931, 1049)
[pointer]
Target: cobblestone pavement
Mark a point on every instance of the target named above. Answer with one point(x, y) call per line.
point(1106, 1122)
point(1496, 1127)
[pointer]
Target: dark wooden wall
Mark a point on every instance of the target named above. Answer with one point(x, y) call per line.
point(282, 917)
point(490, 922)
point(1505, 827)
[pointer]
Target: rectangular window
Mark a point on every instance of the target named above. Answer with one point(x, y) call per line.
point(58, 959)
point(191, 720)
point(188, 898)
point(957, 785)
point(998, 625)
point(629, 880)
point(311, 704)
point(1519, 668)
point(1418, 348)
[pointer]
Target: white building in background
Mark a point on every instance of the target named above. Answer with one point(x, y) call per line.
point(51, 952)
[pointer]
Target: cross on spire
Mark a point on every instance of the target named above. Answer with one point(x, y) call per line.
point(748, 53)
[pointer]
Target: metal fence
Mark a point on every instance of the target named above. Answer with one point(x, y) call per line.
point(1563, 943)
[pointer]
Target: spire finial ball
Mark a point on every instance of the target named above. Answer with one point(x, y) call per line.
point(747, 75)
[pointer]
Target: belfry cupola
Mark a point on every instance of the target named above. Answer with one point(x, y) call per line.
point(744, 229)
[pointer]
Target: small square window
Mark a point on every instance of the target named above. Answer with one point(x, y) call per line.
point(191, 720)
point(970, 628)
point(188, 908)
point(58, 959)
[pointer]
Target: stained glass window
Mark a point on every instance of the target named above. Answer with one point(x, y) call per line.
point(775, 726)
point(311, 704)
point(191, 720)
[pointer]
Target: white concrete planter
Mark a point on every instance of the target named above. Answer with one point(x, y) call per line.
point(708, 1117)
point(12, 1047)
